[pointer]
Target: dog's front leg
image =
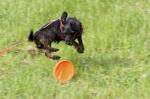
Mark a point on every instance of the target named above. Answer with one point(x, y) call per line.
point(79, 47)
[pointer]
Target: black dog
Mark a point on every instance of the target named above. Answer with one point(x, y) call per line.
point(66, 29)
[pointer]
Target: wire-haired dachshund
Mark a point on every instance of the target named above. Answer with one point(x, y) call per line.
point(68, 29)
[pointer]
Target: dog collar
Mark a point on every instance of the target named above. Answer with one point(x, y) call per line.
point(60, 26)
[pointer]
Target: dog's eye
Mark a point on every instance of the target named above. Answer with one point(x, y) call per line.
point(71, 24)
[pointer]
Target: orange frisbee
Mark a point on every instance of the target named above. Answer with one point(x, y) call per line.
point(64, 70)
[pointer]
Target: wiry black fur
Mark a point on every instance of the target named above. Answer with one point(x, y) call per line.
point(50, 32)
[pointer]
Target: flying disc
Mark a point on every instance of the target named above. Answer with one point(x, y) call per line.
point(64, 70)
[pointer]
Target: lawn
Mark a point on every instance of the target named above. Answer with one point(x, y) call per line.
point(115, 64)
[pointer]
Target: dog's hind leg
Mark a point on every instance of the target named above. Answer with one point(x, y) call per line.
point(48, 47)
point(53, 49)
point(49, 54)
point(49, 51)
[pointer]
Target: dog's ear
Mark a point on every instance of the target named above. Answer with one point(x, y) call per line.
point(64, 16)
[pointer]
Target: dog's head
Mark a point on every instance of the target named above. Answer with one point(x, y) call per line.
point(70, 28)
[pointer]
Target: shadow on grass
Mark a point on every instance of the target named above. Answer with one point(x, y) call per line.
point(107, 61)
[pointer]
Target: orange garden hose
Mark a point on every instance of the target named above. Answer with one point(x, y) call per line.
point(2, 52)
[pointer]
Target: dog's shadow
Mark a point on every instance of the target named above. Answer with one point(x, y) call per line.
point(105, 61)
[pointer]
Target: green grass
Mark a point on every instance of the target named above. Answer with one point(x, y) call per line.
point(116, 62)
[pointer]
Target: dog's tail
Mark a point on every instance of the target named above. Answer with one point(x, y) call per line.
point(31, 36)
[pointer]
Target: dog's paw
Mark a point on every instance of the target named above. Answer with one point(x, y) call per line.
point(80, 49)
point(55, 57)
point(54, 49)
